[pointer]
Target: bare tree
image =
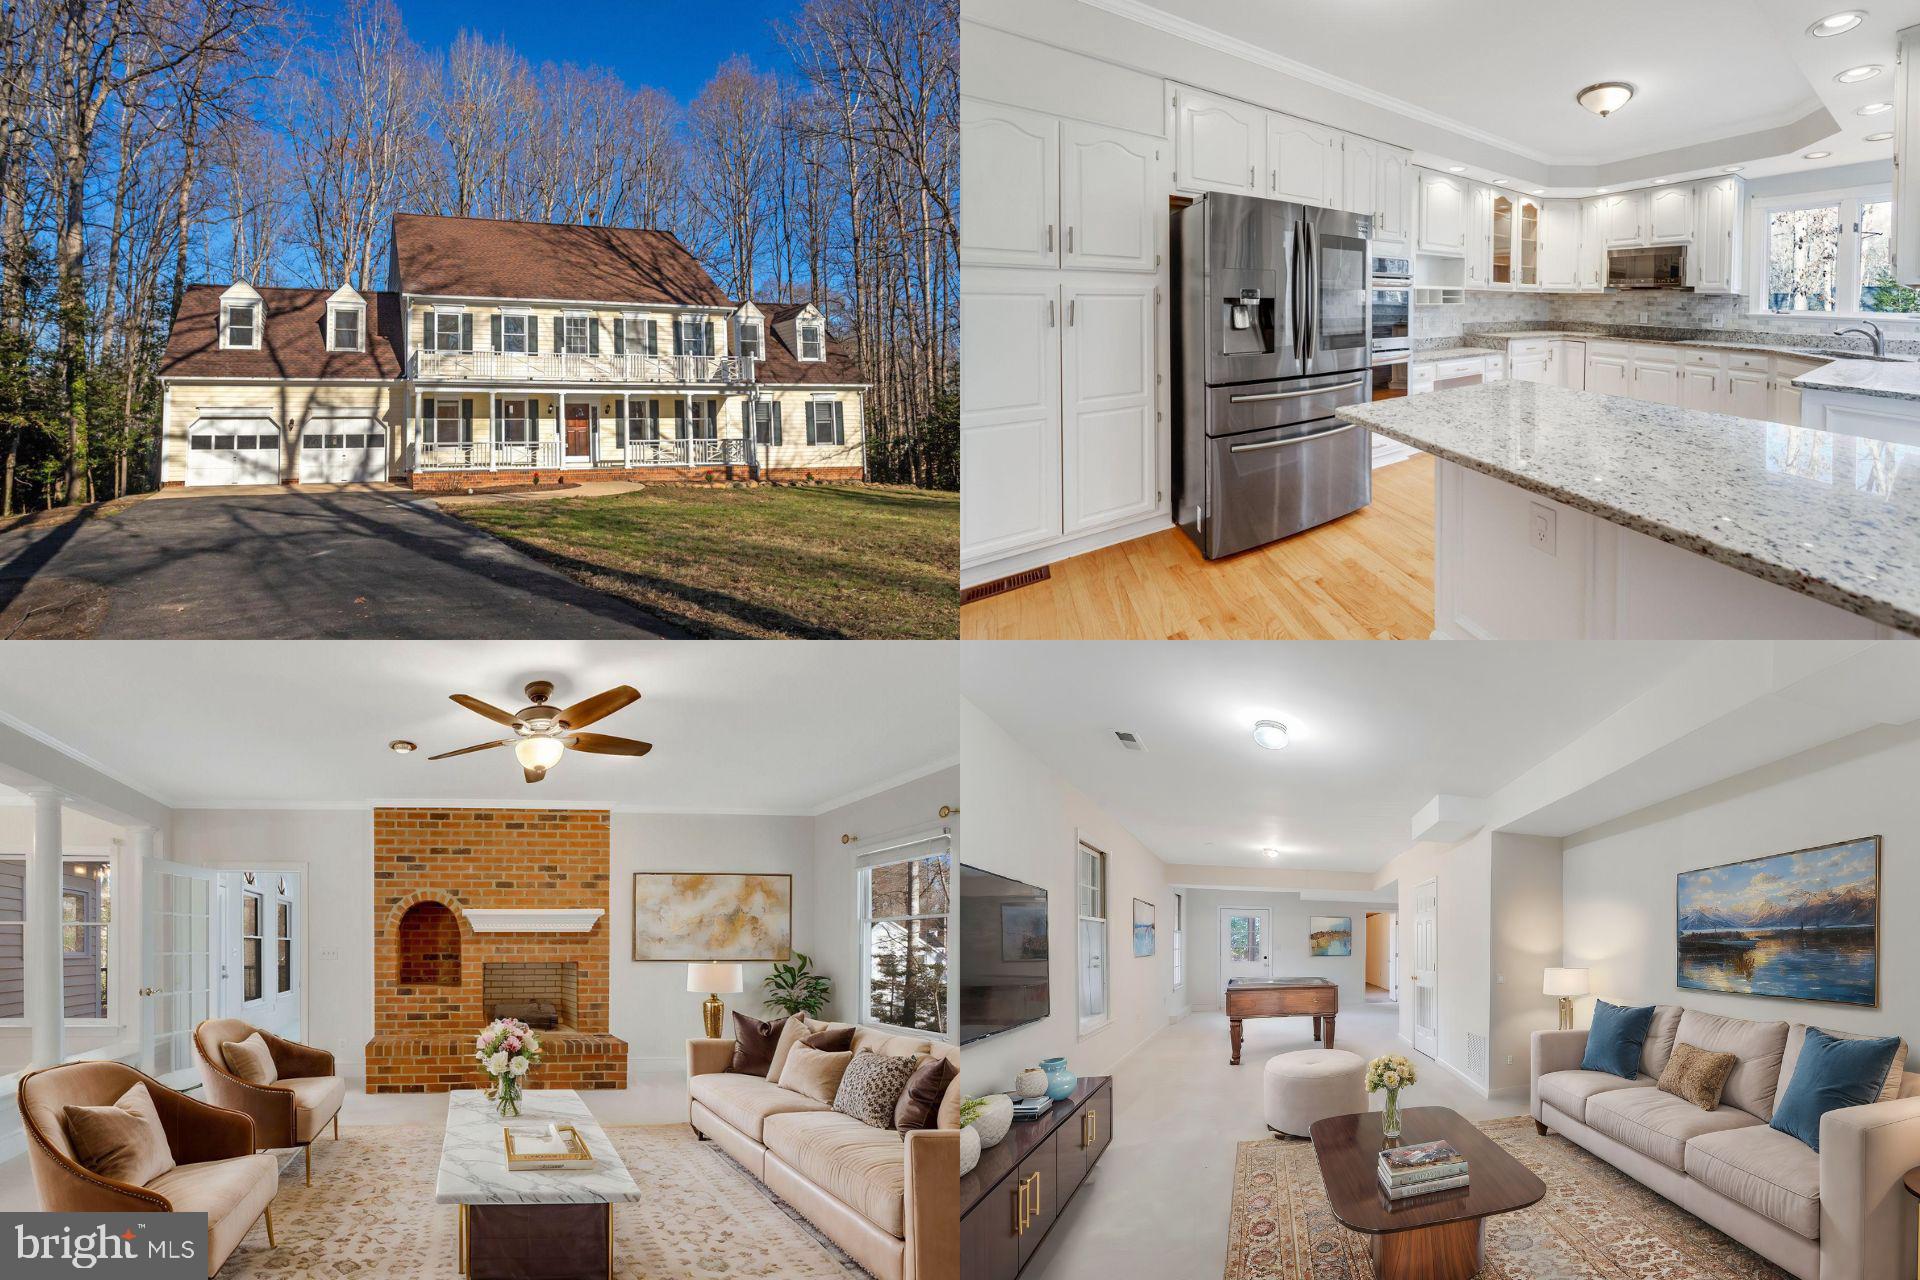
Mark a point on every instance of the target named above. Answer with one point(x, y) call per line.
point(731, 127)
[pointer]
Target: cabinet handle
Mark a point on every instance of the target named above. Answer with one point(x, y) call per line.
point(1020, 1208)
point(1069, 239)
point(1049, 313)
point(1070, 302)
point(1036, 1195)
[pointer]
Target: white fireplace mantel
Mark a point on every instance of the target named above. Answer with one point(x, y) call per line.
point(533, 919)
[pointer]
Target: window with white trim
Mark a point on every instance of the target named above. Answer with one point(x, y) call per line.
point(763, 422)
point(643, 420)
point(820, 421)
point(906, 917)
point(86, 938)
point(345, 324)
point(250, 942)
point(448, 327)
point(693, 335)
point(241, 325)
point(282, 946)
point(574, 334)
point(813, 340)
point(753, 342)
point(1179, 940)
point(514, 425)
point(513, 332)
point(449, 423)
point(1826, 254)
point(1091, 903)
point(700, 420)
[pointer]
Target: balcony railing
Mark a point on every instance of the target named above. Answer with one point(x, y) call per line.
point(489, 455)
point(506, 366)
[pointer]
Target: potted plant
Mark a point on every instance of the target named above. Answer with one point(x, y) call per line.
point(506, 1051)
point(796, 988)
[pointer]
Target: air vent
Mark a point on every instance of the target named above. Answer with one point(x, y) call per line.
point(1476, 1055)
point(1001, 586)
point(1128, 741)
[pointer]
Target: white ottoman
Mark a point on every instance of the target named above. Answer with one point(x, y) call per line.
point(1312, 1084)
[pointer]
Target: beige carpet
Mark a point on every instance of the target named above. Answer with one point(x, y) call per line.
point(1594, 1223)
point(370, 1212)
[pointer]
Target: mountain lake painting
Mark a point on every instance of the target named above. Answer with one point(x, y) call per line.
point(1803, 926)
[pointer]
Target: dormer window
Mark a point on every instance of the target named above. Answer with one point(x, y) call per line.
point(813, 339)
point(753, 344)
point(345, 327)
point(241, 325)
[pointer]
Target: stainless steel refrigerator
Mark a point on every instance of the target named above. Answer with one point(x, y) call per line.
point(1270, 336)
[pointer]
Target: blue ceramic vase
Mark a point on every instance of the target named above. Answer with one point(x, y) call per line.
point(1060, 1080)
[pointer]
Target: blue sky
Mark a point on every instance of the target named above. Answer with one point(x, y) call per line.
point(674, 47)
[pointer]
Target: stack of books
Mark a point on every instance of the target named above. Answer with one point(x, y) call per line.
point(1417, 1170)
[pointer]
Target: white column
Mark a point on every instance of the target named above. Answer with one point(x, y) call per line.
point(626, 428)
point(493, 431)
point(413, 430)
point(46, 1007)
point(560, 427)
point(135, 913)
point(686, 424)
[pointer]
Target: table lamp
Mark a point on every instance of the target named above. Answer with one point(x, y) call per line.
point(1565, 983)
point(714, 978)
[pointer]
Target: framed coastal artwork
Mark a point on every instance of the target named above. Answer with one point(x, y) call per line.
point(1797, 926)
point(704, 915)
point(1329, 935)
point(1142, 928)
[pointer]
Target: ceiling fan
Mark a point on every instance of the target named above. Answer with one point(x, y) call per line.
point(542, 734)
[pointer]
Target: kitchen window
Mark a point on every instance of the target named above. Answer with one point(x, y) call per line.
point(1091, 903)
point(1826, 255)
point(906, 917)
point(250, 941)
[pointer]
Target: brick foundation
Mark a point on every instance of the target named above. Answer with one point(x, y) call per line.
point(429, 998)
point(461, 481)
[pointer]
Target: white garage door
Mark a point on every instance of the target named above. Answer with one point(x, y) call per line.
point(233, 451)
point(342, 450)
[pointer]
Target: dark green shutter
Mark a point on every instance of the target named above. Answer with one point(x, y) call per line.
point(776, 422)
point(709, 336)
point(496, 331)
point(559, 335)
point(839, 424)
point(593, 335)
point(426, 332)
point(620, 336)
point(426, 416)
point(466, 331)
point(466, 420)
point(533, 336)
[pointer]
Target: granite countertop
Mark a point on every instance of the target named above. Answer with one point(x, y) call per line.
point(1823, 514)
point(1890, 381)
point(1453, 353)
point(1712, 344)
point(473, 1160)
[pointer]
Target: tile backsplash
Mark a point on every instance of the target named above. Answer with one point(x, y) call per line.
point(1670, 311)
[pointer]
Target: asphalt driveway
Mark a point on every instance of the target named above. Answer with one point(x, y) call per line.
point(288, 564)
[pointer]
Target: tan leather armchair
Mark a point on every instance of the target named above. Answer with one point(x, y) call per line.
point(216, 1170)
point(292, 1110)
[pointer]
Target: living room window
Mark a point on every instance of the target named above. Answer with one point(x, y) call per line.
point(449, 422)
point(906, 917)
point(86, 939)
point(1091, 903)
point(250, 941)
point(1179, 940)
point(283, 946)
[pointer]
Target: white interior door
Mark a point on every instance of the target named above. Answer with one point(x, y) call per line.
point(1426, 968)
point(1246, 943)
point(177, 964)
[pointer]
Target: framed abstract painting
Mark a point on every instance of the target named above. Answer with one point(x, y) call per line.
point(1329, 935)
point(1796, 926)
point(704, 915)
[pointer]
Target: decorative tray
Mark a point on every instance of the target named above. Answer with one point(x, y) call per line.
point(537, 1150)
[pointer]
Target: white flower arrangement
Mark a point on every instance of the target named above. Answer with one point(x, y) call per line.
point(1390, 1071)
point(506, 1051)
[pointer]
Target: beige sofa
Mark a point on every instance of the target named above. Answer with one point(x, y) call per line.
point(1836, 1214)
point(891, 1200)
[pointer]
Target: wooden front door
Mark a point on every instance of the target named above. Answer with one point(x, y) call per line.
point(579, 431)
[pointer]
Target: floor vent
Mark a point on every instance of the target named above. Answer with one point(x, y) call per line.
point(1000, 586)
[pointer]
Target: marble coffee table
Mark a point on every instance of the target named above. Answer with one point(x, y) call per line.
point(545, 1224)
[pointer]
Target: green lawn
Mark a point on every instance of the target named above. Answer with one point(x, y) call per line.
point(834, 561)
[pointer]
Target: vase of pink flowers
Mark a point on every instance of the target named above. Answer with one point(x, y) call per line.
point(506, 1051)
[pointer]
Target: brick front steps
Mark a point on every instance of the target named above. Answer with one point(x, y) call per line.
point(435, 1062)
point(463, 481)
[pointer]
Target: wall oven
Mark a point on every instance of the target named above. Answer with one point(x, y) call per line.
point(1390, 298)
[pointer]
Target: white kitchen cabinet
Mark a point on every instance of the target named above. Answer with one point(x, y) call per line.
point(1560, 245)
point(1009, 414)
point(1700, 389)
point(1360, 178)
point(1749, 393)
point(1480, 219)
point(1670, 214)
point(1530, 368)
point(1009, 186)
point(1393, 193)
point(1107, 454)
point(1443, 214)
point(1303, 162)
point(1593, 247)
point(1219, 143)
point(1656, 380)
point(1568, 360)
point(1786, 402)
point(1714, 259)
point(1110, 203)
point(1623, 219)
point(1609, 374)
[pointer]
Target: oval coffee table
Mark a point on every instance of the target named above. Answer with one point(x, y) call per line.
point(1431, 1237)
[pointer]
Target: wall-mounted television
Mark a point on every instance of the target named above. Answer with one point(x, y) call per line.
point(1003, 954)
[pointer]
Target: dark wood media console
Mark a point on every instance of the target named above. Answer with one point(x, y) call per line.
point(1017, 1190)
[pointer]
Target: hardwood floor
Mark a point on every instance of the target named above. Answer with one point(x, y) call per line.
point(1368, 576)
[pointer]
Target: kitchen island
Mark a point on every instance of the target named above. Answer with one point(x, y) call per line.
point(1573, 515)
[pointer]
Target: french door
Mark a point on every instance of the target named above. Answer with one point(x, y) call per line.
point(1426, 968)
point(176, 966)
point(1246, 944)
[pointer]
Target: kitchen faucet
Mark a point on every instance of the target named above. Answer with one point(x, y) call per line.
point(1871, 330)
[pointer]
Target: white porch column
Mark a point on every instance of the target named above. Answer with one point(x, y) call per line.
point(560, 428)
point(686, 425)
point(134, 873)
point(493, 432)
point(415, 433)
point(626, 428)
point(45, 965)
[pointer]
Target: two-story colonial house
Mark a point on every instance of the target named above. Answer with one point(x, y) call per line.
point(506, 353)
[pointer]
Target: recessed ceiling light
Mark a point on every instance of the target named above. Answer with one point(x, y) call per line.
point(400, 746)
point(1271, 853)
point(1659, 182)
point(1542, 191)
point(1879, 137)
point(1874, 109)
point(1270, 734)
point(1501, 182)
point(1600, 191)
point(1836, 24)
point(1734, 168)
point(1816, 155)
point(1456, 168)
point(1605, 98)
point(1854, 75)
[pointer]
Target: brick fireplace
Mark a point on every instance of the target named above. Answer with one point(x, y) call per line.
point(437, 982)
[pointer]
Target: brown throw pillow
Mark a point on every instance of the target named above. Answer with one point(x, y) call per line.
point(1697, 1075)
point(753, 1044)
point(123, 1142)
point(919, 1105)
point(250, 1059)
point(871, 1088)
point(833, 1040)
point(814, 1073)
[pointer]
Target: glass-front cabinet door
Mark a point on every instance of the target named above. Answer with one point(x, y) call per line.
point(1526, 251)
point(1502, 240)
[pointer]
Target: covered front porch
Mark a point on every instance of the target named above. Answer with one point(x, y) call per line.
point(493, 430)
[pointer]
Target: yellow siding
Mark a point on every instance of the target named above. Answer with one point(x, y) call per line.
point(544, 316)
point(794, 451)
point(281, 403)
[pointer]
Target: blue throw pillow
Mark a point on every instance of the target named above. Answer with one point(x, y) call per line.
point(1613, 1043)
point(1829, 1074)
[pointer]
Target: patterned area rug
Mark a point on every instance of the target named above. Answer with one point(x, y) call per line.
point(370, 1212)
point(1594, 1223)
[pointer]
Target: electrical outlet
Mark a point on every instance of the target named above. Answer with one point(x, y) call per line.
point(1645, 316)
point(1509, 1059)
point(1541, 530)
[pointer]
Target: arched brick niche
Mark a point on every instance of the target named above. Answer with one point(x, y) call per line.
point(429, 945)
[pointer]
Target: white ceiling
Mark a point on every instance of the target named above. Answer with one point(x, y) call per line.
point(1506, 71)
point(1377, 730)
point(736, 726)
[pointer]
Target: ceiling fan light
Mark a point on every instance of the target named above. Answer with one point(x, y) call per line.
point(1605, 98)
point(539, 753)
point(400, 746)
point(1270, 734)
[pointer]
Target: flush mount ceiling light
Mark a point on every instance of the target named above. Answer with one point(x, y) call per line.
point(1854, 75)
point(1837, 24)
point(1816, 155)
point(400, 746)
point(1874, 109)
point(1271, 853)
point(1605, 98)
point(1879, 137)
point(1270, 734)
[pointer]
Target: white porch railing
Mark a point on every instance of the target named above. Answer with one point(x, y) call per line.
point(677, 453)
point(505, 366)
point(489, 455)
point(484, 455)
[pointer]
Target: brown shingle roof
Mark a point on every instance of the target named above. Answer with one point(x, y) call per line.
point(294, 344)
point(491, 258)
point(784, 366)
